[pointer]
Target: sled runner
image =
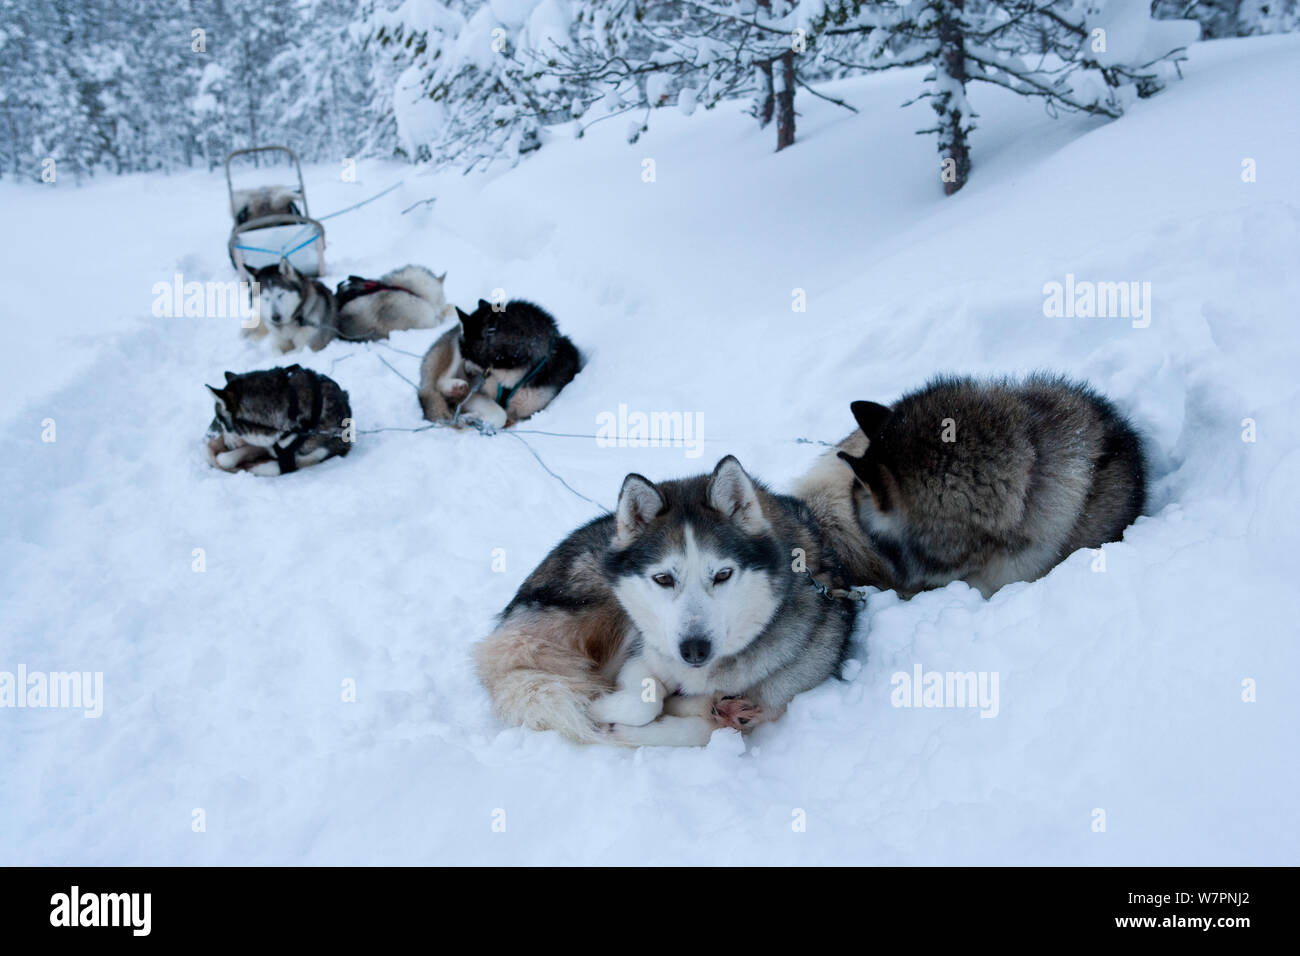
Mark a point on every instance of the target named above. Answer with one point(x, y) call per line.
point(272, 222)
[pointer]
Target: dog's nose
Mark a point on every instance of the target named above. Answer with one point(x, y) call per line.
point(695, 650)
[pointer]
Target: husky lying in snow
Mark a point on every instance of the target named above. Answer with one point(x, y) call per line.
point(248, 204)
point(277, 421)
point(688, 609)
point(297, 310)
point(983, 482)
point(503, 366)
point(407, 298)
point(519, 351)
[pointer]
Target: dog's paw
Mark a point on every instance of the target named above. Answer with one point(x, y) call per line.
point(735, 712)
point(228, 460)
point(268, 469)
point(624, 708)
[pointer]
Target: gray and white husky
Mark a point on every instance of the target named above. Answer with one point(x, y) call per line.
point(297, 310)
point(702, 602)
point(407, 298)
point(983, 482)
point(276, 421)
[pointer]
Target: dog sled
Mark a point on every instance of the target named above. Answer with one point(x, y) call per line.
point(272, 222)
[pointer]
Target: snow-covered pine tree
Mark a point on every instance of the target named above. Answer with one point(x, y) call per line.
point(640, 55)
point(322, 98)
point(1255, 17)
point(1233, 18)
point(475, 89)
point(1086, 55)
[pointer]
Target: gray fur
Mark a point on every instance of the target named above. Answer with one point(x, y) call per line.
point(256, 410)
point(1034, 471)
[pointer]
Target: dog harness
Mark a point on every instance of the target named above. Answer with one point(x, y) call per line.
point(287, 445)
point(354, 287)
point(505, 394)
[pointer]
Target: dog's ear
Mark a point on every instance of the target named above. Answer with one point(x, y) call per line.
point(871, 417)
point(441, 278)
point(484, 305)
point(639, 502)
point(230, 377)
point(732, 493)
point(286, 268)
point(221, 395)
point(876, 478)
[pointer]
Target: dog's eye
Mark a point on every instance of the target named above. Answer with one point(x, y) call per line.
point(663, 579)
point(723, 575)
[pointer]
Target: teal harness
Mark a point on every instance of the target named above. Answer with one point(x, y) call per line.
point(505, 394)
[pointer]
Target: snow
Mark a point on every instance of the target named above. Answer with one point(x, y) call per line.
point(223, 690)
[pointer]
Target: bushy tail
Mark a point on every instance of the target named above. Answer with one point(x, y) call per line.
point(537, 682)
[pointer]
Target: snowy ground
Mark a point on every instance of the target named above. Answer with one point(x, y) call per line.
point(1119, 691)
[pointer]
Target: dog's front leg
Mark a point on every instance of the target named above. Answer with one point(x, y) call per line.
point(666, 732)
point(639, 697)
point(689, 705)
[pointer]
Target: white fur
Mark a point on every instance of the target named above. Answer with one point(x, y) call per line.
point(667, 732)
point(272, 468)
point(638, 699)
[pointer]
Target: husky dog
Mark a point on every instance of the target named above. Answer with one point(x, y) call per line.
point(295, 309)
point(983, 482)
point(702, 602)
point(523, 358)
point(277, 421)
point(248, 204)
point(407, 298)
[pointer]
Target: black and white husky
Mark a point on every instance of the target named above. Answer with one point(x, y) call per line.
point(297, 310)
point(701, 603)
point(276, 421)
point(503, 365)
point(983, 482)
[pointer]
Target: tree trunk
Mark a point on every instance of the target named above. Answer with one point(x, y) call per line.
point(766, 104)
point(955, 167)
point(785, 103)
